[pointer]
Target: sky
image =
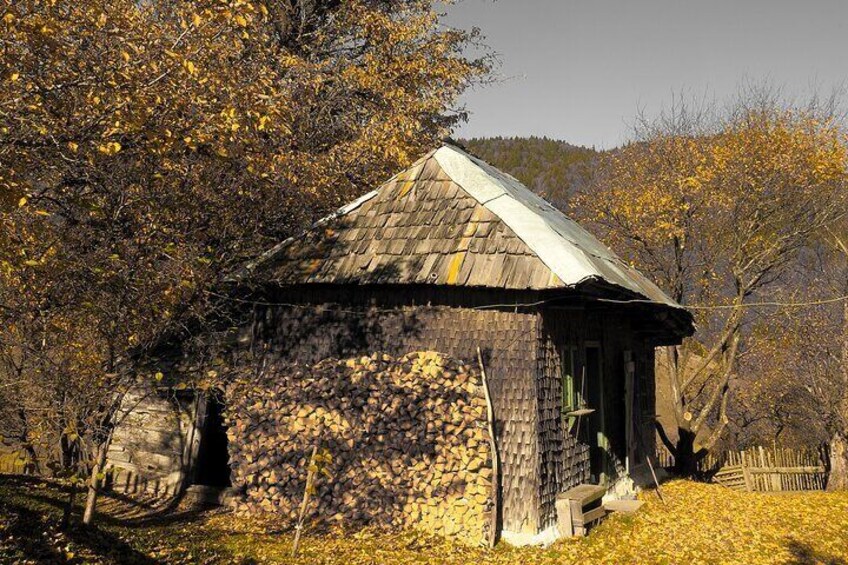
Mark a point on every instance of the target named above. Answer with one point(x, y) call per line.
point(581, 70)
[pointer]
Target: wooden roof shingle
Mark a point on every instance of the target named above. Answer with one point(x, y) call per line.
point(451, 219)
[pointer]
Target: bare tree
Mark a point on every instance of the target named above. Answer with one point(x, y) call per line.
point(715, 207)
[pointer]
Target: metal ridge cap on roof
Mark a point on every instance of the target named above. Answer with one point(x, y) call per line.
point(571, 252)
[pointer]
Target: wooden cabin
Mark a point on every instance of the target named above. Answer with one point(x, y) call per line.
point(451, 255)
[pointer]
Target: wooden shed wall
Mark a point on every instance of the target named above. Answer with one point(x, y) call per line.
point(154, 445)
point(317, 323)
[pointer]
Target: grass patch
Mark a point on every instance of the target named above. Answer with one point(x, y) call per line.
point(700, 524)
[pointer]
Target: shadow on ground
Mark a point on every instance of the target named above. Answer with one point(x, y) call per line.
point(804, 554)
point(31, 510)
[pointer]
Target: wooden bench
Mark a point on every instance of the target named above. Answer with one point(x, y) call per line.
point(579, 507)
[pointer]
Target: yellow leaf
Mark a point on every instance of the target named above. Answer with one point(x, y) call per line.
point(22, 202)
point(73, 146)
point(109, 148)
point(196, 20)
point(240, 20)
point(190, 67)
point(14, 77)
point(125, 56)
point(9, 18)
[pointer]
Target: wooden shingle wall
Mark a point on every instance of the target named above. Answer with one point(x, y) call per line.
point(565, 461)
point(318, 329)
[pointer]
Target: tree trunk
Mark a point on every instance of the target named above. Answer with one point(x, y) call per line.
point(685, 458)
point(838, 477)
point(32, 467)
point(69, 507)
point(94, 483)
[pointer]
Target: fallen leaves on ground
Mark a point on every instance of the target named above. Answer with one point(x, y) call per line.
point(700, 523)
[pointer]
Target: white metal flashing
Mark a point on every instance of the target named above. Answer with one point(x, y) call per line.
point(569, 251)
point(544, 538)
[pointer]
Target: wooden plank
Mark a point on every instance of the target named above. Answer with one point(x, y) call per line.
point(490, 421)
point(623, 506)
point(786, 470)
point(564, 518)
point(594, 514)
point(578, 525)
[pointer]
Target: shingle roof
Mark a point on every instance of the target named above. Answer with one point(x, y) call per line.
point(451, 219)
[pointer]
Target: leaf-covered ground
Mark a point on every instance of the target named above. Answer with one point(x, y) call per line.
point(699, 524)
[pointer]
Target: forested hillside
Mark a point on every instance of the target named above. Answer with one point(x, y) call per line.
point(552, 168)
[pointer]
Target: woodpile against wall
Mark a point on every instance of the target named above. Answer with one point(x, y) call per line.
point(404, 443)
point(341, 323)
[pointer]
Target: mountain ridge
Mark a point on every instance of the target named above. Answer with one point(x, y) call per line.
point(552, 168)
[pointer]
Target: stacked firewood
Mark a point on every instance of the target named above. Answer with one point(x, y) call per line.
point(400, 442)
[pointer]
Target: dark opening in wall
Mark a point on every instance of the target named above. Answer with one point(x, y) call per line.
point(213, 459)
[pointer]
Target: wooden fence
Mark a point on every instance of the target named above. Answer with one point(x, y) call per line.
point(760, 469)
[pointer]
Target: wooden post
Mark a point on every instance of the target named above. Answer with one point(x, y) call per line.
point(496, 490)
point(746, 474)
point(629, 408)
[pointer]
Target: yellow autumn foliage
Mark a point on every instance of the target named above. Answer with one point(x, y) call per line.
point(152, 148)
point(700, 524)
point(715, 210)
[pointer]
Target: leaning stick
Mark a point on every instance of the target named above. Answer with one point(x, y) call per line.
point(310, 479)
point(490, 419)
point(654, 475)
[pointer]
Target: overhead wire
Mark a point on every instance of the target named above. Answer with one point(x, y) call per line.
point(744, 305)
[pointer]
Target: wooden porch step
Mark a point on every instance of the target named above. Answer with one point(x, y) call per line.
point(578, 508)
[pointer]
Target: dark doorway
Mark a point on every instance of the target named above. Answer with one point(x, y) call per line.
point(213, 459)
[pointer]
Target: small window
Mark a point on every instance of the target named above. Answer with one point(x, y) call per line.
point(570, 384)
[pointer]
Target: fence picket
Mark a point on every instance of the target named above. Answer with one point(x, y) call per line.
point(761, 469)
